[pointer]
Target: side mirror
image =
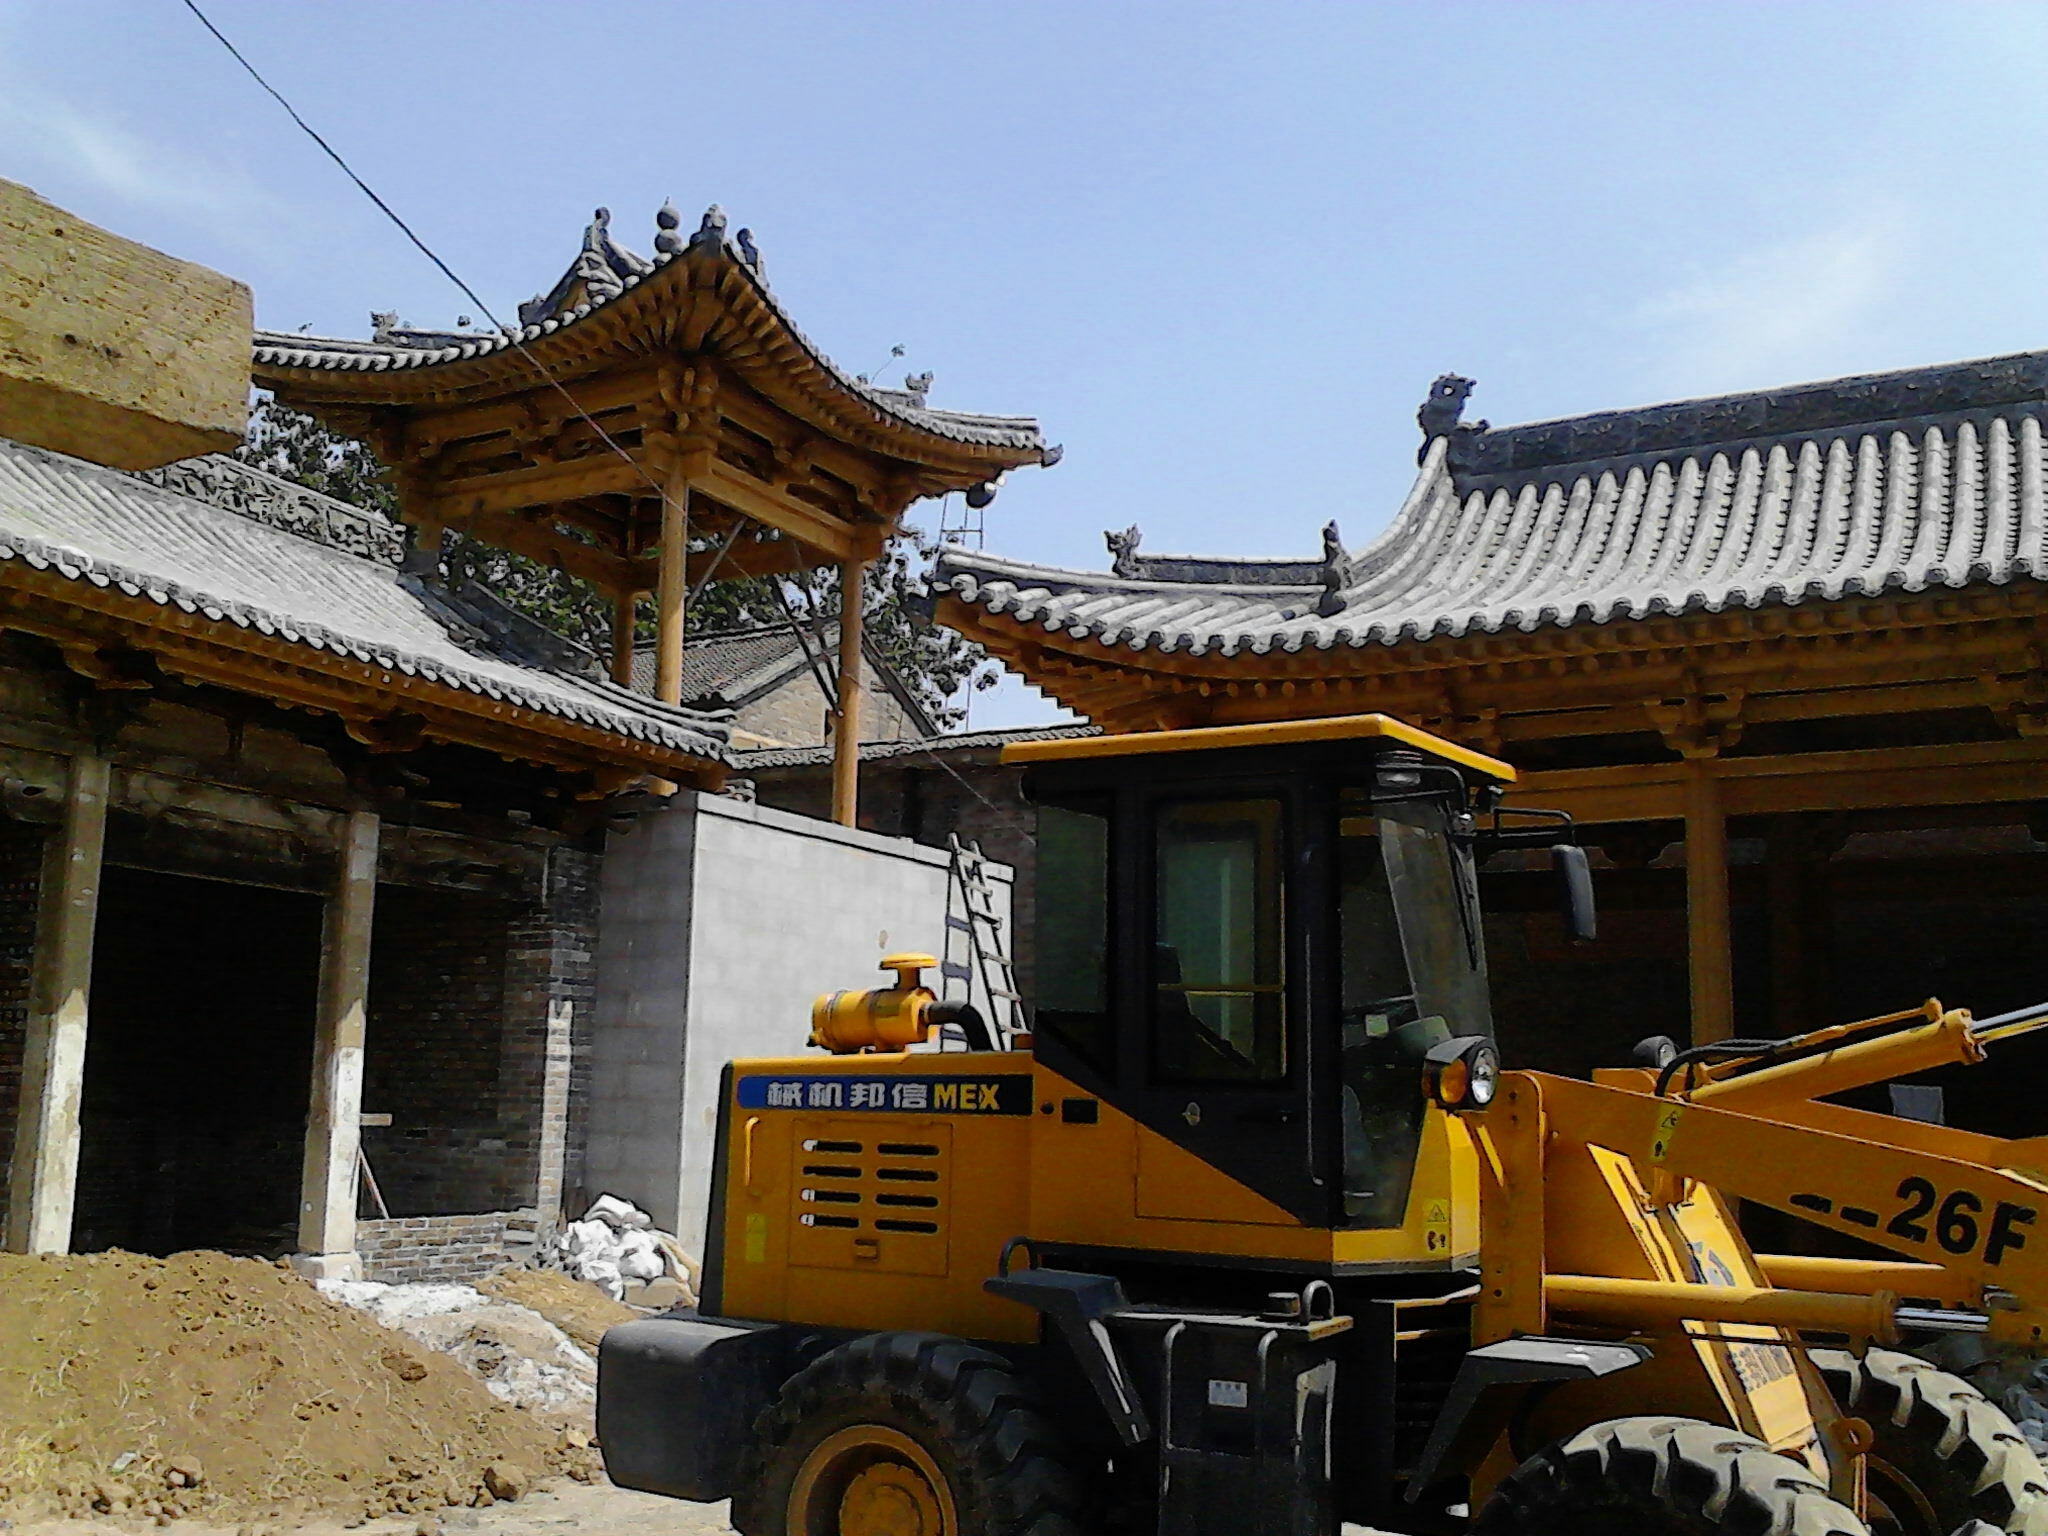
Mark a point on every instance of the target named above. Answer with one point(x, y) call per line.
point(1575, 892)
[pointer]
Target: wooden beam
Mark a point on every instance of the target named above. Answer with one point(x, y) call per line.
point(832, 537)
point(191, 646)
point(1708, 934)
point(539, 542)
point(671, 602)
point(327, 1191)
point(1966, 773)
point(542, 485)
point(846, 731)
point(44, 1178)
point(110, 350)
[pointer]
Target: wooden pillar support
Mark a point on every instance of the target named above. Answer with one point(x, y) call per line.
point(327, 1196)
point(623, 618)
point(1709, 939)
point(846, 732)
point(671, 601)
point(44, 1179)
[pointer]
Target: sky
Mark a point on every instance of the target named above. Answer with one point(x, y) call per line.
point(1218, 250)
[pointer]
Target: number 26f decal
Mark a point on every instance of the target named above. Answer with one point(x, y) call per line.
point(1955, 1219)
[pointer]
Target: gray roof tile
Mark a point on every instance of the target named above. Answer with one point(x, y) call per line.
point(288, 562)
point(1791, 498)
point(749, 760)
point(398, 348)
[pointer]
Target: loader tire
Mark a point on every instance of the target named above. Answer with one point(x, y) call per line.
point(1943, 1453)
point(1663, 1477)
point(907, 1434)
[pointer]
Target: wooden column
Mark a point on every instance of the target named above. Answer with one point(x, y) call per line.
point(44, 1180)
point(1709, 939)
point(622, 637)
point(846, 737)
point(327, 1191)
point(673, 597)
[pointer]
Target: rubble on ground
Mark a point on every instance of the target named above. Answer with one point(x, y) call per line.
point(228, 1388)
point(616, 1244)
point(516, 1352)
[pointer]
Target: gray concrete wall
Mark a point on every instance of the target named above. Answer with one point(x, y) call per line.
point(722, 922)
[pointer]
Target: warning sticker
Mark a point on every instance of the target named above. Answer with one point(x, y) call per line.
point(1667, 1128)
point(1436, 1226)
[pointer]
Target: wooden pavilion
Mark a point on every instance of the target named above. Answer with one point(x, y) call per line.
point(1735, 635)
point(650, 425)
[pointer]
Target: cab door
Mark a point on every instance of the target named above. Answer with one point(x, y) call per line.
point(1226, 887)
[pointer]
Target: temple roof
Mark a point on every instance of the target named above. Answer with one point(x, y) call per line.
point(991, 742)
point(1881, 483)
point(613, 300)
point(220, 546)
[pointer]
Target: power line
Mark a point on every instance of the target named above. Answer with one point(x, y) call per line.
point(426, 250)
point(546, 374)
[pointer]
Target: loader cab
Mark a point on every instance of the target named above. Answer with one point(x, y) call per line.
point(1248, 939)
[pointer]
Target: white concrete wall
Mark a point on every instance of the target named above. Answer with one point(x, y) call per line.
point(721, 922)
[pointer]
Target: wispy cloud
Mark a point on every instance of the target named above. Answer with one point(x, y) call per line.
point(1795, 307)
point(44, 137)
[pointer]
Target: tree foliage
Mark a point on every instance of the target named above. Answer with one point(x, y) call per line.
point(936, 663)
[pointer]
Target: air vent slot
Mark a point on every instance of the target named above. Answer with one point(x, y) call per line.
point(835, 1148)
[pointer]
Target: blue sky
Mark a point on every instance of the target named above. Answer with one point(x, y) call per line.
point(1220, 250)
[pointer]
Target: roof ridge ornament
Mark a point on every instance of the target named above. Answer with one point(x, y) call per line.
point(711, 230)
point(750, 253)
point(1337, 570)
point(918, 384)
point(384, 325)
point(1442, 413)
point(666, 222)
point(1123, 551)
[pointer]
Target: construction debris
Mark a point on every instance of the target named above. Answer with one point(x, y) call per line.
point(615, 1243)
point(227, 1389)
point(517, 1354)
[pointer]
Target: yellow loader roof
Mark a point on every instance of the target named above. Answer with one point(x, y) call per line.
point(1271, 733)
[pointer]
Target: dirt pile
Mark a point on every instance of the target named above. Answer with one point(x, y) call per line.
point(229, 1388)
point(579, 1309)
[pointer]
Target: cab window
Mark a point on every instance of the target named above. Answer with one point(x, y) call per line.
point(1073, 930)
point(1218, 1012)
point(1412, 976)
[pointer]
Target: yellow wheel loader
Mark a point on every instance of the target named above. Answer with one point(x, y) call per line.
point(1252, 1233)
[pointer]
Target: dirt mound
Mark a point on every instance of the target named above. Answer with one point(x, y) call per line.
point(576, 1307)
point(203, 1384)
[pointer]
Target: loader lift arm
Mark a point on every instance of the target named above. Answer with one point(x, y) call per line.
point(1965, 1211)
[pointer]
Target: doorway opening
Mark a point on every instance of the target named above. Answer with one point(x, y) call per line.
point(198, 1065)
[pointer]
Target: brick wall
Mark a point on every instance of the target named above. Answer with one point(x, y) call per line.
point(438, 971)
point(432, 1247)
point(21, 853)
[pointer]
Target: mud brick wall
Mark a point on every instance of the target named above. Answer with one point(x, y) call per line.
point(21, 854)
point(432, 1247)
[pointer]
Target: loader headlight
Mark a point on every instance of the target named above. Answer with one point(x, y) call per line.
point(1461, 1073)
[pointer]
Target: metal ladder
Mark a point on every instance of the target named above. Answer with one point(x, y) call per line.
point(974, 940)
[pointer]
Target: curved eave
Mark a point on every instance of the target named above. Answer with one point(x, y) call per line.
point(663, 312)
point(196, 638)
point(1015, 634)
